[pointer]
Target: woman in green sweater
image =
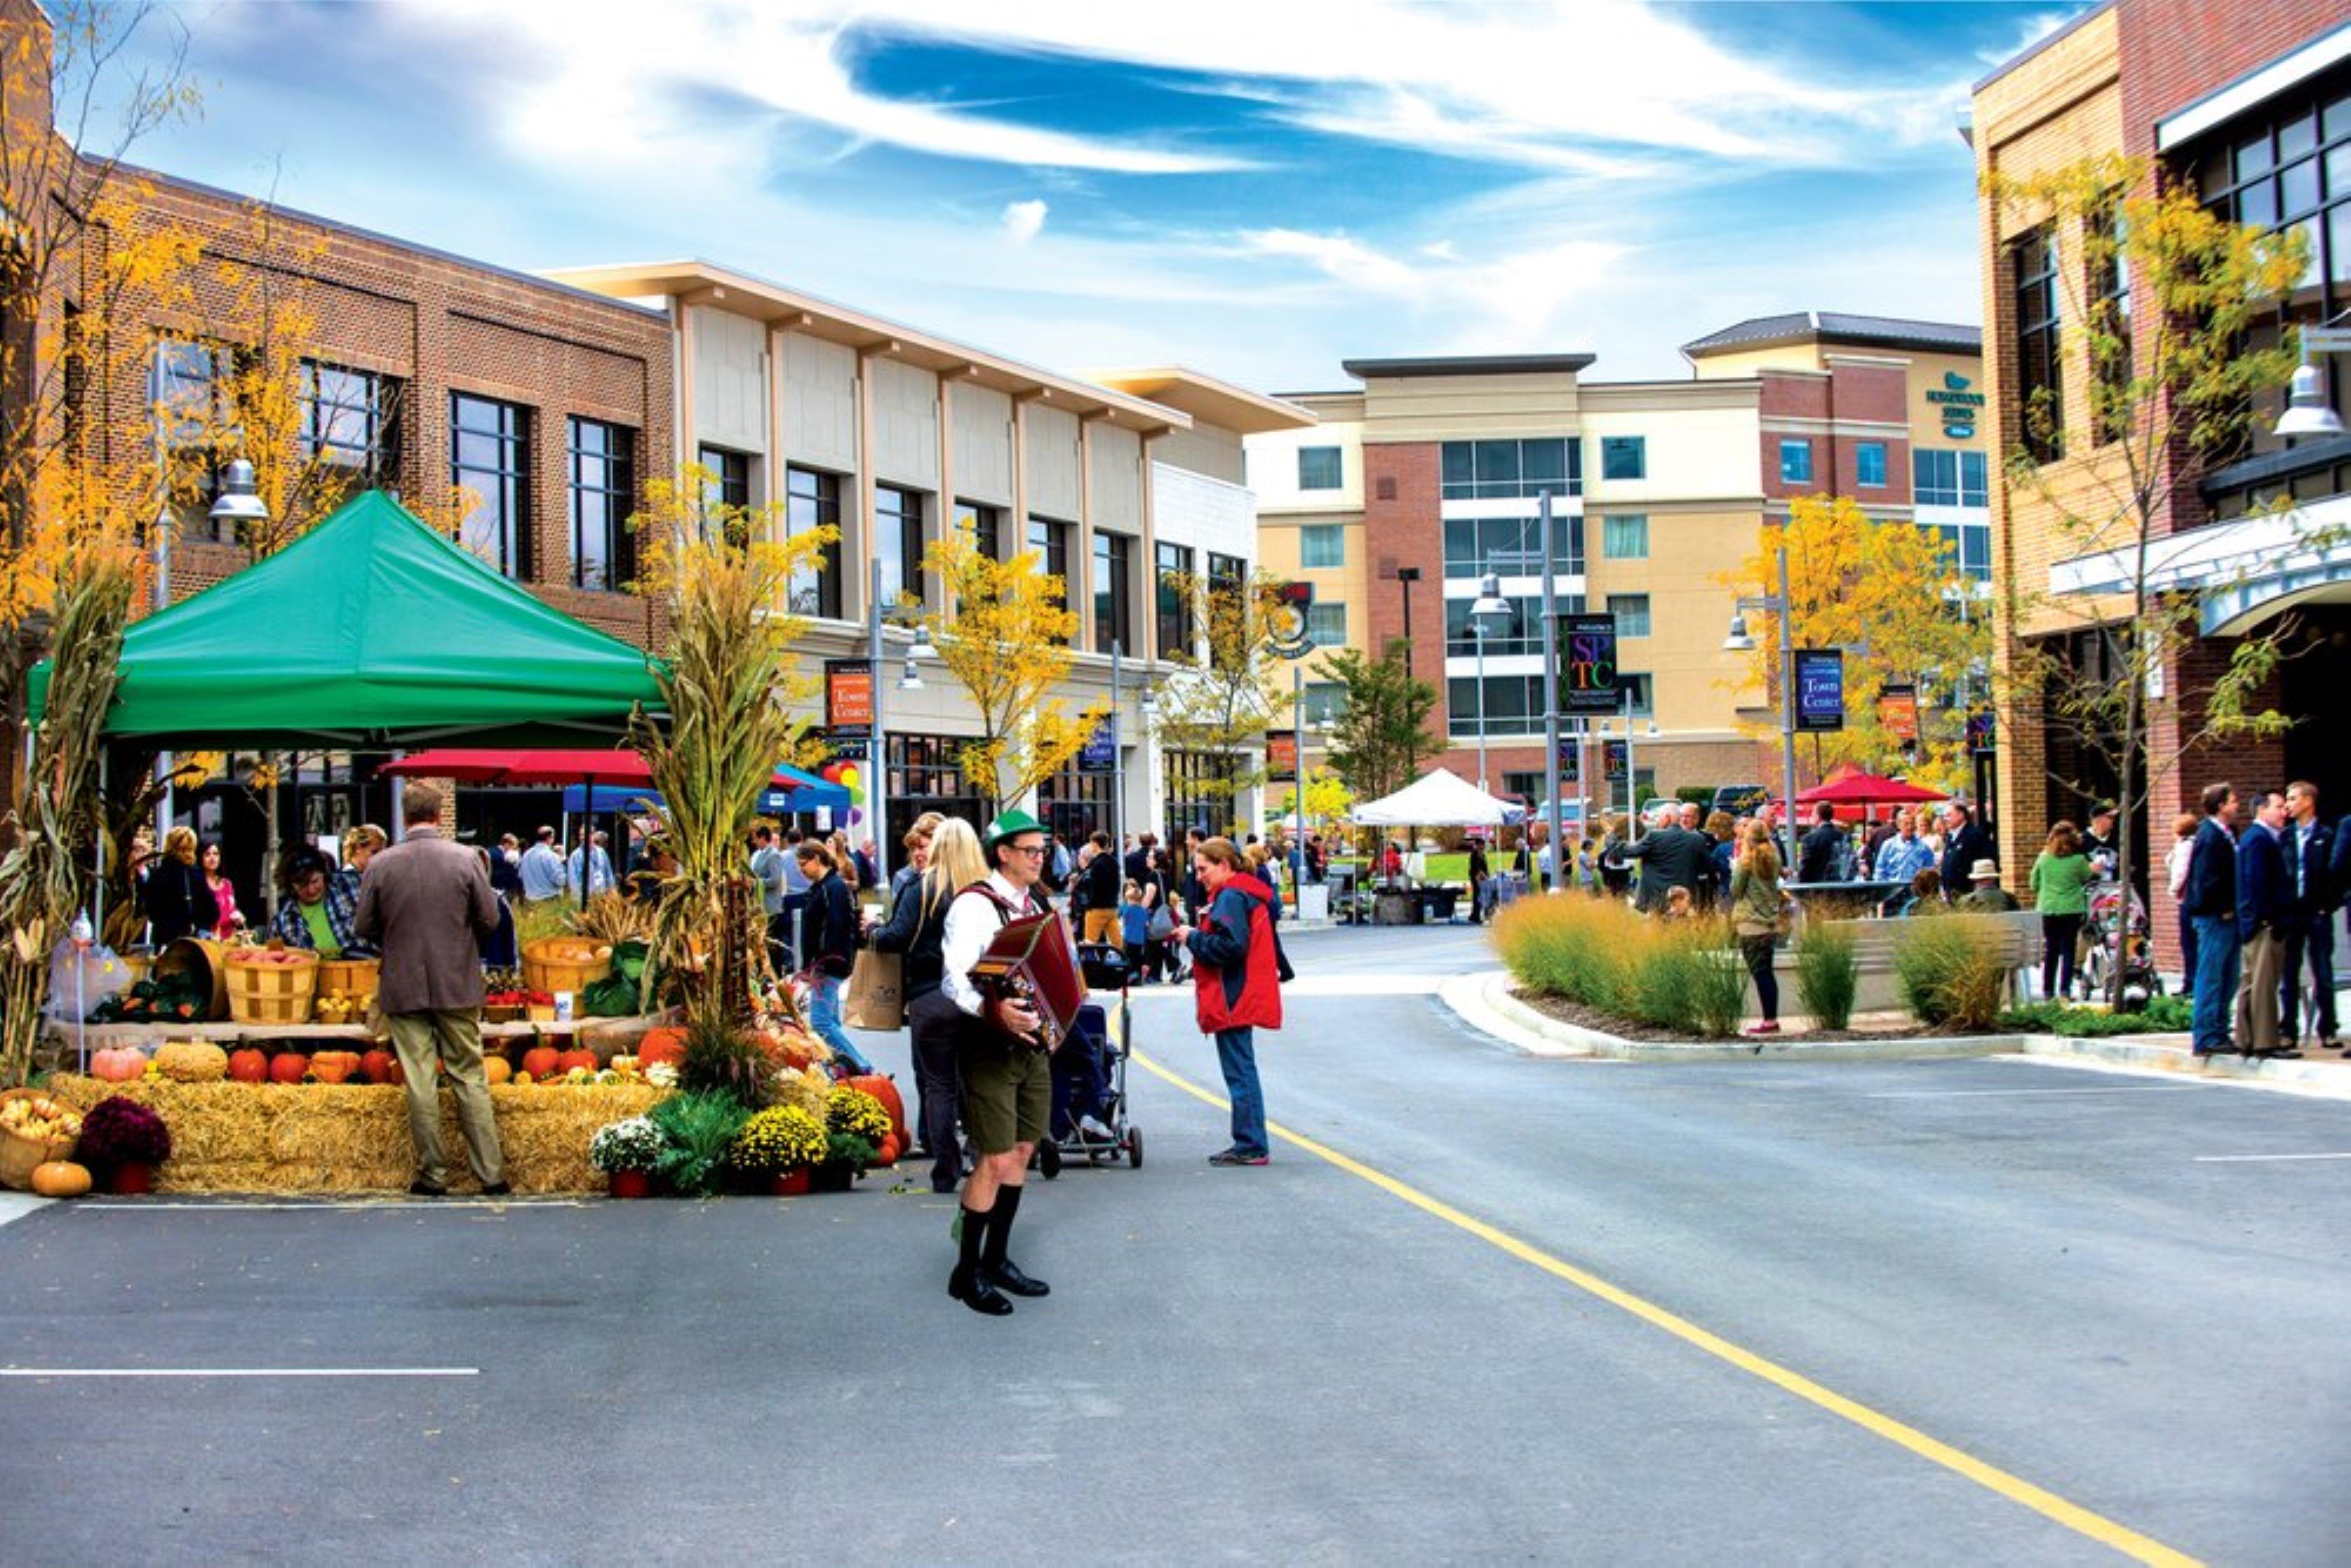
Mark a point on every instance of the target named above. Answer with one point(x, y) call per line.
point(2061, 878)
point(1755, 901)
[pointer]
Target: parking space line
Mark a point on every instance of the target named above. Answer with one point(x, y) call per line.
point(2015, 1489)
point(2256, 1159)
point(240, 1372)
point(2011, 1093)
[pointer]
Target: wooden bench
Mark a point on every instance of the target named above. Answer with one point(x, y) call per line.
point(1875, 942)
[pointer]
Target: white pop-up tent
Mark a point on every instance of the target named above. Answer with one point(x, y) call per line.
point(1439, 799)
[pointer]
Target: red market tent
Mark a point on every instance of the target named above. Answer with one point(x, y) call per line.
point(1854, 792)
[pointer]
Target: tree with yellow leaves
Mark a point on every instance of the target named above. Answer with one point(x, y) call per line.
point(1892, 595)
point(1006, 636)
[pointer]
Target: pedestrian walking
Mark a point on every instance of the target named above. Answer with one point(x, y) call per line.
point(1008, 1081)
point(827, 949)
point(917, 927)
point(426, 903)
point(1481, 875)
point(2265, 908)
point(2211, 907)
point(2309, 847)
point(1757, 903)
point(2061, 879)
point(1236, 972)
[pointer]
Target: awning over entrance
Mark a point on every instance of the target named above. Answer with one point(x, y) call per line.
point(2245, 572)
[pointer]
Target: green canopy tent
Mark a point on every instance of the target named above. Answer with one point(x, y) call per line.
point(371, 631)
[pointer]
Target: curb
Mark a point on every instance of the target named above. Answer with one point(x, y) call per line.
point(2153, 1055)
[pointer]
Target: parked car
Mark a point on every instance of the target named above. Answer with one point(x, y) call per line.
point(1739, 800)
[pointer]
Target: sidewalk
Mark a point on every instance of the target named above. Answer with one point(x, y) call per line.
point(1488, 1002)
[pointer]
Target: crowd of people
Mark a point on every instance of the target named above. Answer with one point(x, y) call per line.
point(2258, 880)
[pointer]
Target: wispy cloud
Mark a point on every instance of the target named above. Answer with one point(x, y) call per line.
point(1023, 221)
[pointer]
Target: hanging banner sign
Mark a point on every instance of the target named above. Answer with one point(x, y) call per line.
point(1980, 731)
point(1615, 760)
point(1571, 759)
point(1281, 757)
point(848, 698)
point(1587, 665)
point(1898, 713)
point(1100, 754)
point(1820, 689)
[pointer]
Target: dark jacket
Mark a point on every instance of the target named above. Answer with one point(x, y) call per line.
point(2212, 873)
point(426, 903)
point(2338, 874)
point(1960, 851)
point(178, 900)
point(829, 928)
point(1103, 881)
point(1670, 858)
point(1820, 857)
point(2264, 896)
point(2318, 888)
point(1236, 964)
point(917, 935)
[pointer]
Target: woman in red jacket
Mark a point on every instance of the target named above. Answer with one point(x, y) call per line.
point(1236, 970)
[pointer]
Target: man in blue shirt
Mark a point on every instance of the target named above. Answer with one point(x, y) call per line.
point(543, 874)
point(2211, 905)
point(596, 874)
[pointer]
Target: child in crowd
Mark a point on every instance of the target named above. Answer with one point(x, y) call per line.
point(1133, 927)
point(1677, 903)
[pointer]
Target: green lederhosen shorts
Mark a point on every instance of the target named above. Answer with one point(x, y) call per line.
point(1007, 1088)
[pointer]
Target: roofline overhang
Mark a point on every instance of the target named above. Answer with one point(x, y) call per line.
point(1470, 365)
point(1208, 400)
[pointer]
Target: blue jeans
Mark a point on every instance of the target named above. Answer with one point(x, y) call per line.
point(824, 1017)
point(2216, 978)
point(1237, 1054)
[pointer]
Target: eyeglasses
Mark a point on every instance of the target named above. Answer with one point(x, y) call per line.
point(1036, 849)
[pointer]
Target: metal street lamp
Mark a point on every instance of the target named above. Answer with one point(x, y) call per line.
point(2307, 411)
point(238, 504)
point(1488, 616)
point(1739, 642)
point(1406, 577)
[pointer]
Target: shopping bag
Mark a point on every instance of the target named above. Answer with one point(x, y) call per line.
point(876, 995)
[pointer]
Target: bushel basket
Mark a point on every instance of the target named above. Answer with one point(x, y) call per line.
point(20, 1156)
point(279, 990)
point(553, 964)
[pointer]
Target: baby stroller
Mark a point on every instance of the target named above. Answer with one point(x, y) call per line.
point(1090, 1119)
point(2116, 937)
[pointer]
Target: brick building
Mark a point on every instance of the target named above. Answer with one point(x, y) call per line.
point(2249, 107)
point(1428, 475)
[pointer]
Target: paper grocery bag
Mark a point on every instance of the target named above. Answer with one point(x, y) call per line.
point(876, 998)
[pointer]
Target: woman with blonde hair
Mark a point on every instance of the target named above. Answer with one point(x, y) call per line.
point(179, 902)
point(917, 927)
point(360, 845)
point(1755, 903)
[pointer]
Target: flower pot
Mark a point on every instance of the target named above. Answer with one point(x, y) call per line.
point(632, 1183)
point(831, 1178)
point(130, 1178)
point(793, 1183)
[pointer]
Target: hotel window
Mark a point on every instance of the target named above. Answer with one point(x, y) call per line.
point(1513, 706)
point(986, 525)
point(898, 546)
point(1521, 634)
point(1625, 539)
point(2032, 264)
point(1114, 594)
point(1051, 542)
point(1632, 612)
point(1795, 463)
point(490, 454)
point(1624, 457)
point(1940, 478)
point(602, 461)
point(1318, 468)
point(1637, 693)
point(1510, 469)
point(1970, 550)
point(1511, 547)
point(2109, 294)
point(347, 420)
point(1322, 545)
point(1172, 601)
point(1326, 624)
point(813, 500)
point(1525, 785)
point(1869, 464)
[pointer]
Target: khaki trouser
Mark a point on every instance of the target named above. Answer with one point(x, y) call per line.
point(2257, 994)
point(1102, 925)
point(453, 1036)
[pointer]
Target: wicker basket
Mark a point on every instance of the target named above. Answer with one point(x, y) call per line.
point(352, 977)
point(19, 1156)
point(272, 993)
point(545, 966)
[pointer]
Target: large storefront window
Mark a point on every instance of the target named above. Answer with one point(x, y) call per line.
point(1511, 547)
point(1073, 804)
point(1485, 470)
point(1200, 792)
point(811, 501)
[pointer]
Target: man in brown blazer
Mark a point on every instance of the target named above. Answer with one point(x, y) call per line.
point(426, 902)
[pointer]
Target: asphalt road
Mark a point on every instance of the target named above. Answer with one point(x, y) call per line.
point(1504, 1309)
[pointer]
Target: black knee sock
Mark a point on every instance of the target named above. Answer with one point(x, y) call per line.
point(1007, 1206)
point(975, 1226)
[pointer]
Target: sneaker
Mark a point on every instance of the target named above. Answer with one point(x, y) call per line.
point(1094, 1131)
point(1755, 1030)
point(1238, 1157)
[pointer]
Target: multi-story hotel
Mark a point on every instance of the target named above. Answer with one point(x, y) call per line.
point(2249, 106)
point(1428, 475)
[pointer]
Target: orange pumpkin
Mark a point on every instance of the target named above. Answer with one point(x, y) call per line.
point(379, 1066)
point(249, 1065)
point(118, 1064)
point(61, 1178)
point(886, 1091)
point(496, 1069)
point(287, 1067)
point(333, 1066)
point(577, 1058)
point(539, 1061)
point(887, 1154)
point(660, 1045)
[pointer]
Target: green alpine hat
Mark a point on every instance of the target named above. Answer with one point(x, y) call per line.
point(1011, 825)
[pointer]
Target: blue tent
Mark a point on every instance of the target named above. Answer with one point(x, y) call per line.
point(807, 793)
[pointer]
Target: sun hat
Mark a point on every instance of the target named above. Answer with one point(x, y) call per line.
point(1984, 870)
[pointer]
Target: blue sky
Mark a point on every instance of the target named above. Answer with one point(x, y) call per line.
point(1257, 190)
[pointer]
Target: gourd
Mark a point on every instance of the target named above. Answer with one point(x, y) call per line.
point(660, 1045)
point(118, 1064)
point(379, 1066)
point(539, 1061)
point(192, 1061)
point(576, 1058)
point(496, 1069)
point(889, 1151)
point(333, 1066)
point(288, 1067)
point(249, 1065)
point(61, 1178)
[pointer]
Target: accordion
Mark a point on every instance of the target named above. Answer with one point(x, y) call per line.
point(1028, 962)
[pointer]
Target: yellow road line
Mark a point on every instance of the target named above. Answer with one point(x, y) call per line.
point(2017, 1489)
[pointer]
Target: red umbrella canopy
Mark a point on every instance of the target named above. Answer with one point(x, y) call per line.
point(526, 766)
point(1868, 789)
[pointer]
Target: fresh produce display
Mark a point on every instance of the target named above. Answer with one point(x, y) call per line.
point(288, 1067)
point(380, 1066)
point(61, 1178)
point(286, 958)
point(42, 1119)
point(249, 1065)
point(190, 1061)
point(343, 1010)
point(176, 998)
point(119, 1063)
point(334, 1066)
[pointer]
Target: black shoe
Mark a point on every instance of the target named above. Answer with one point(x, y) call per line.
point(2280, 1053)
point(942, 1188)
point(1238, 1157)
point(420, 1187)
point(978, 1295)
point(1007, 1276)
point(497, 1189)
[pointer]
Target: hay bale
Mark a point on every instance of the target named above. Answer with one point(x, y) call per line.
point(320, 1138)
